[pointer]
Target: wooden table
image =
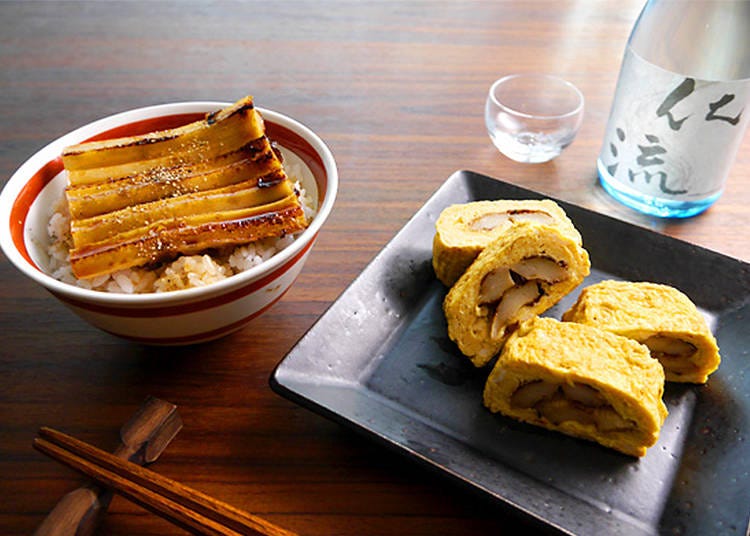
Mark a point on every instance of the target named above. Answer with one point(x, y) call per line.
point(397, 90)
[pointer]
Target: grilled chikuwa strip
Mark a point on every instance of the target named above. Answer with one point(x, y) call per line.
point(162, 181)
point(127, 223)
point(146, 199)
point(218, 133)
point(161, 243)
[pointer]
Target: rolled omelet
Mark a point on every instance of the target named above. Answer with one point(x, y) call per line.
point(659, 316)
point(522, 273)
point(462, 231)
point(581, 381)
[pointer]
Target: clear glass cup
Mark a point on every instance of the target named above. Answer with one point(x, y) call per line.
point(531, 118)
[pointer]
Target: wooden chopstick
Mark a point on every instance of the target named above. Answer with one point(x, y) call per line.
point(190, 509)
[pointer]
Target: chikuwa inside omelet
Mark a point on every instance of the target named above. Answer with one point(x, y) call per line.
point(581, 381)
point(462, 231)
point(659, 316)
point(522, 273)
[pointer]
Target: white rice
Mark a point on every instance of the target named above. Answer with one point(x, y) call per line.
point(184, 272)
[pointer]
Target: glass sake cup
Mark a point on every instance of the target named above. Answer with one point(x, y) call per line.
point(531, 118)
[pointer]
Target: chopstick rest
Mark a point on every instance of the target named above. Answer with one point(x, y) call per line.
point(188, 508)
point(142, 440)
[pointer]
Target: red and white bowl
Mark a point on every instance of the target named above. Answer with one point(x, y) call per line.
point(182, 316)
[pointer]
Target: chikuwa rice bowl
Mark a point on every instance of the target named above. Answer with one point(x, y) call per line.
point(193, 298)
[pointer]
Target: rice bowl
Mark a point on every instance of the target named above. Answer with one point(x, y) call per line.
point(180, 316)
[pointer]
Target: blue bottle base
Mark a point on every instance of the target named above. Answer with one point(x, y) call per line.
point(654, 206)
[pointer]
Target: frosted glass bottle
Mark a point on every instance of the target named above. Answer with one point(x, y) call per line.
point(679, 111)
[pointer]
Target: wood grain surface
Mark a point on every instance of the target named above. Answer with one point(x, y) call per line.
point(397, 90)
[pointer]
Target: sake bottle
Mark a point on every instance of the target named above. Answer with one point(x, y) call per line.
point(680, 108)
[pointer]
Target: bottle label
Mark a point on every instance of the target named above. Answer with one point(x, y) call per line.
point(670, 136)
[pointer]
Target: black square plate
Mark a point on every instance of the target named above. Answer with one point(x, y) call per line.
point(379, 361)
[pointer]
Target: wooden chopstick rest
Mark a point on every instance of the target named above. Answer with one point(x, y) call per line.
point(142, 439)
point(184, 506)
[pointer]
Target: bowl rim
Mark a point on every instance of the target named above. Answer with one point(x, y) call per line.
point(20, 178)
